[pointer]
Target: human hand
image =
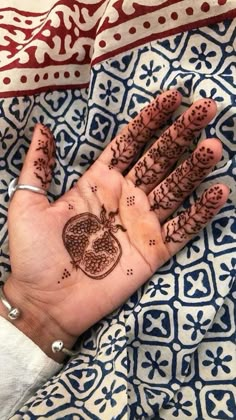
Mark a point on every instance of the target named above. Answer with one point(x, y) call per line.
point(77, 259)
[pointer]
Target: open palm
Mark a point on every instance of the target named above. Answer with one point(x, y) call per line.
point(77, 259)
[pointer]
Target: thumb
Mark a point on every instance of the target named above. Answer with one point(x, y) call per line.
point(37, 167)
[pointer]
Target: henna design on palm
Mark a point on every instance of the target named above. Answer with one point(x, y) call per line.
point(130, 201)
point(192, 220)
point(44, 164)
point(129, 142)
point(65, 274)
point(164, 152)
point(91, 243)
point(183, 180)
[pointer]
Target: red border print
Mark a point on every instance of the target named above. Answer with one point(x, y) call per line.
point(53, 45)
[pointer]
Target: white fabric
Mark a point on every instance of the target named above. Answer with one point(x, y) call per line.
point(24, 367)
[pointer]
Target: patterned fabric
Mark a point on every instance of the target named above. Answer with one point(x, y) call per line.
point(169, 352)
point(52, 43)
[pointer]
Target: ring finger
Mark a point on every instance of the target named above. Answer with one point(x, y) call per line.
point(170, 193)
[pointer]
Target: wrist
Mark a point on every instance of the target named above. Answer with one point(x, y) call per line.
point(35, 321)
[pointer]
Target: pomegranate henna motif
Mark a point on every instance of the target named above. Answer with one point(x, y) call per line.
point(171, 144)
point(140, 130)
point(183, 180)
point(44, 164)
point(191, 221)
point(91, 243)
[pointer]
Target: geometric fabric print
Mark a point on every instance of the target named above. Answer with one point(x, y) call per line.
point(218, 402)
point(154, 365)
point(192, 251)
point(157, 323)
point(226, 272)
point(159, 288)
point(228, 122)
point(68, 39)
point(183, 406)
point(148, 71)
point(100, 127)
point(201, 55)
point(216, 358)
point(185, 364)
point(150, 397)
point(223, 325)
point(194, 323)
point(136, 99)
point(196, 284)
point(19, 108)
point(225, 230)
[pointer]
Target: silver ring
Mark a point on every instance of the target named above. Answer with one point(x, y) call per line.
point(13, 187)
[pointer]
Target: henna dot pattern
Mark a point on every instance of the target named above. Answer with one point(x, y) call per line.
point(70, 207)
point(130, 201)
point(129, 272)
point(94, 189)
point(65, 274)
point(91, 243)
point(152, 242)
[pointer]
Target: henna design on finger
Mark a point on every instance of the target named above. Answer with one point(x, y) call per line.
point(70, 207)
point(94, 189)
point(129, 272)
point(183, 180)
point(171, 144)
point(192, 220)
point(152, 242)
point(44, 165)
point(141, 129)
point(91, 243)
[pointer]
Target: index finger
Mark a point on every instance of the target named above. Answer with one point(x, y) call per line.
point(124, 147)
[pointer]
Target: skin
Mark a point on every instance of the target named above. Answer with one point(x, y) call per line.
point(58, 299)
